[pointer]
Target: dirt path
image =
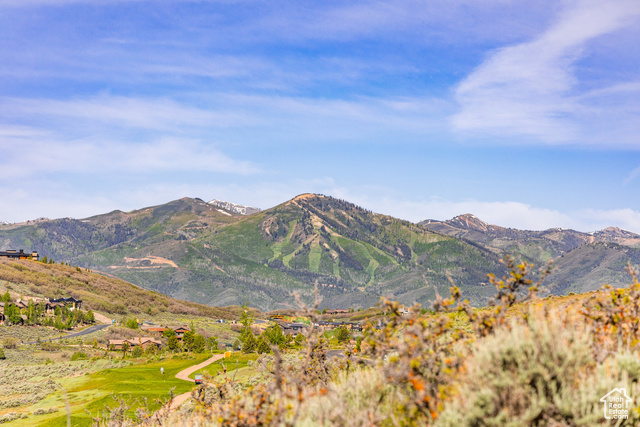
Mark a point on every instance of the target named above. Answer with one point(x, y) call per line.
point(184, 375)
point(101, 318)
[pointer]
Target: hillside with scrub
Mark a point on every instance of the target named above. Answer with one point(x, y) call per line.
point(57, 366)
point(521, 361)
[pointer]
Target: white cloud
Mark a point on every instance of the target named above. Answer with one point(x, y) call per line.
point(119, 111)
point(527, 89)
point(167, 154)
point(267, 118)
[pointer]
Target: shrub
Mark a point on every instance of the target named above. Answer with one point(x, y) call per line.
point(137, 352)
point(342, 334)
point(49, 346)
point(79, 355)
point(42, 411)
point(529, 375)
point(10, 342)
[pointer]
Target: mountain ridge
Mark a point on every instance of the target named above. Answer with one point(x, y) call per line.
point(190, 249)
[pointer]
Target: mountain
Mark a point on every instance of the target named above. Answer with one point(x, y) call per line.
point(582, 261)
point(234, 208)
point(197, 251)
point(189, 249)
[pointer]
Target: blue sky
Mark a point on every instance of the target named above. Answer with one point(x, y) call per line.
point(526, 114)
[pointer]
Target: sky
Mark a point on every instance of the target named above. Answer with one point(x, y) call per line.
point(525, 114)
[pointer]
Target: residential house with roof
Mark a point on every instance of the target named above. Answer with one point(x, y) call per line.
point(21, 254)
point(70, 302)
point(144, 342)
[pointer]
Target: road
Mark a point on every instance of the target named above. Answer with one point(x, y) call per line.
point(89, 330)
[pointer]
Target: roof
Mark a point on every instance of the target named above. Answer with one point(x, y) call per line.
point(63, 299)
point(143, 340)
point(12, 253)
point(154, 328)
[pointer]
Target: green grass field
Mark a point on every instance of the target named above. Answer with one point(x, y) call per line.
point(237, 362)
point(89, 395)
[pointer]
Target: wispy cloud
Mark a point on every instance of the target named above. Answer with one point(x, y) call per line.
point(98, 157)
point(527, 89)
point(146, 113)
point(266, 117)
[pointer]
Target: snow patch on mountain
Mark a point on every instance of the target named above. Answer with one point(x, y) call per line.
point(233, 207)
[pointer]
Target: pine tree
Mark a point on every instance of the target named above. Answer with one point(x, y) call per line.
point(263, 347)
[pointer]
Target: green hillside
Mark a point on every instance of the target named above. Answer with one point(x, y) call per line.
point(194, 251)
point(354, 256)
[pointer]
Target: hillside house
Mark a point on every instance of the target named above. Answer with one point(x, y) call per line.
point(180, 331)
point(159, 329)
point(71, 303)
point(21, 305)
point(21, 254)
point(117, 344)
point(50, 307)
point(329, 325)
point(337, 311)
point(144, 342)
point(291, 328)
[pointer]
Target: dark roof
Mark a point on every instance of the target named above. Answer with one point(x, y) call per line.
point(14, 254)
point(63, 299)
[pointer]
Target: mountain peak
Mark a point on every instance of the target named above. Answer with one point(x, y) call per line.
point(470, 221)
point(233, 207)
point(616, 232)
point(305, 196)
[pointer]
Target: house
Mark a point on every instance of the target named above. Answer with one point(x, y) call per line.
point(20, 305)
point(144, 342)
point(117, 344)
point(354, 327)
point(21, 254)
point(290, 328)
point(50, 307)
point(329, 325)
point(337, 311)
point(70, 302)
point(180, 331)
point(159, 329)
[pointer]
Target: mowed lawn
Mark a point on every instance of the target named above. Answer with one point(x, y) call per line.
point(133, 384)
